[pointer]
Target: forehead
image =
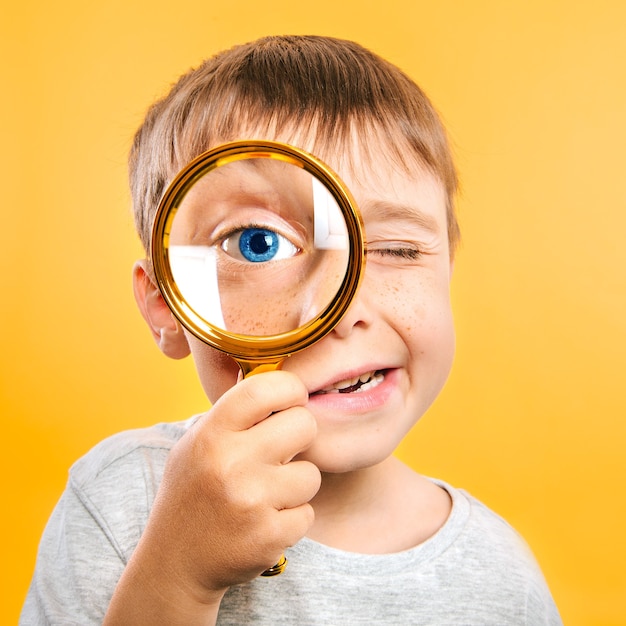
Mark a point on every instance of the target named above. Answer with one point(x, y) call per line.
point(387, 190)
point(368, 161)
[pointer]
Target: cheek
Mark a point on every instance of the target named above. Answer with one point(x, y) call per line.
point(416, 300)
point(216, 370)
point(421, 312)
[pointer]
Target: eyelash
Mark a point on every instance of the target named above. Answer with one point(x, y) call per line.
point(404, 253)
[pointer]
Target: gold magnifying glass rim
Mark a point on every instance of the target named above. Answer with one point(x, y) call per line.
point(252, 347)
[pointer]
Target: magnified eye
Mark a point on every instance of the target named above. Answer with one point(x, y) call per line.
point(258, 245)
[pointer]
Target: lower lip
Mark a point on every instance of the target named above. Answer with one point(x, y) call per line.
point(358, 401)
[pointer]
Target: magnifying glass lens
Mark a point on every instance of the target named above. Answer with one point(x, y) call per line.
point(257, 246)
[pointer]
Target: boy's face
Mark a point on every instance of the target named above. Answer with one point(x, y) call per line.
point(393, 350)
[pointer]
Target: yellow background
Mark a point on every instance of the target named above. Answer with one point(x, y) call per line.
point(533, 420)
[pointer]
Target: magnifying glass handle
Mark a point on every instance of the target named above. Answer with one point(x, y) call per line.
point(249, 368)
point(279, 568)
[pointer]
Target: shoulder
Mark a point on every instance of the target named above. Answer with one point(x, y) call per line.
point(127, 450)
point(497, 558)
point(485, 532)
point(115, 483)
point(96, 525)
point(482, 535)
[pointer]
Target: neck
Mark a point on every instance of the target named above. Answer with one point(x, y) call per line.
point(352, 493)
point(381, 509)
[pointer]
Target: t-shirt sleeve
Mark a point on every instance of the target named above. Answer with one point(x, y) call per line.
point(95, 527)
point(506, 565)
point(541, 609)
point(78, 565)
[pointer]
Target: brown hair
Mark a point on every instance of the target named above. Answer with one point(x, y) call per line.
point(321, 87)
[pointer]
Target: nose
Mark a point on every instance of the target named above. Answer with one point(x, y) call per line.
point(359, 313)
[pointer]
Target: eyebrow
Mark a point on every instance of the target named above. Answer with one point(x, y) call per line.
point(386, 211)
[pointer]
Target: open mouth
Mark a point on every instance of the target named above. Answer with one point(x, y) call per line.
point(359, 384)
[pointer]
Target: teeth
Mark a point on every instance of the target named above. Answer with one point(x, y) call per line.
point(367, 380)
point(347, 383)
point(374, 382)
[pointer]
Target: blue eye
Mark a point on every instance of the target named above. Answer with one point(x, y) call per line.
point(258, 245)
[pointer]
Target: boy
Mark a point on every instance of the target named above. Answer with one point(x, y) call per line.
point(174, 524)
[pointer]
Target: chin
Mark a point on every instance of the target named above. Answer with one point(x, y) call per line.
point(344, 459)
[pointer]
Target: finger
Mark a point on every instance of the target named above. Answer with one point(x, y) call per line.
point(284, 530)
point(294, 484)
point(283, 435)
point(295, 523)
point(255, 398)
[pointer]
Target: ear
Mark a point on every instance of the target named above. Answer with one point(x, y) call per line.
point(166, 329)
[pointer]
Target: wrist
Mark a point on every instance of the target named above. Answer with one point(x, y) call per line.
point(152, 594)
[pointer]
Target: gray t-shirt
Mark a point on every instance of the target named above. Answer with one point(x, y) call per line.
point(475, 570)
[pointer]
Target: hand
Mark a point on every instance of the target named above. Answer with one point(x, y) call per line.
point(232, 499)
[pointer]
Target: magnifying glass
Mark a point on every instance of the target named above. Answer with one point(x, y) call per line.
point(258, 250)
